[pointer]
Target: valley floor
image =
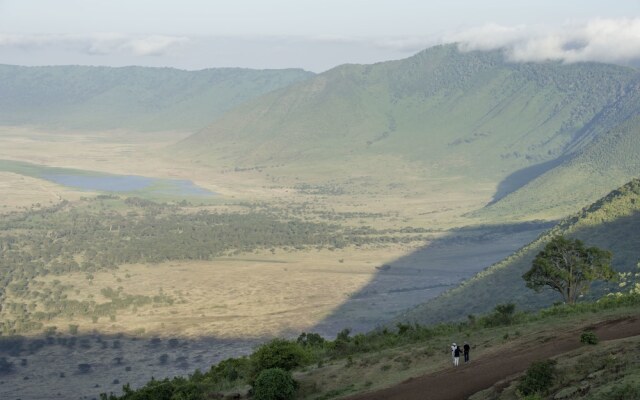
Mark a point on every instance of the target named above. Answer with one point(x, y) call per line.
point(251, 296)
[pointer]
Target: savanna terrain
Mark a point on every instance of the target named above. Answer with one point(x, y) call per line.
point(322, 202)
point(222, 306)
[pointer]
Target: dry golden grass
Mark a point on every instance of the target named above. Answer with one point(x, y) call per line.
point(243, 298)
point(233, 297)
point(20, 191)
point(254, 295)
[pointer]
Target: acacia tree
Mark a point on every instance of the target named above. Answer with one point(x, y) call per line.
point(568, 267)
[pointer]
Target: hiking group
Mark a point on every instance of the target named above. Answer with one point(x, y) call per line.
point(455, 353)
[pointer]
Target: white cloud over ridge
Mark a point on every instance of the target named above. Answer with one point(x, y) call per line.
point(613, 40)
point(599, 40)
point(96, 43)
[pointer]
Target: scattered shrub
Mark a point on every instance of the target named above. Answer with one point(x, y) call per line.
point(84, 368)
point(231, 369)
point(539, 377)
point(310, 340)
point(278, 353)
point(503, 314)
point(6, 367)
point(274, 384)
point(589, 337)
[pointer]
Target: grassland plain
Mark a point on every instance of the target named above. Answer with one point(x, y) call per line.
point(49, 251)
point(610, 223)
point(341, 273)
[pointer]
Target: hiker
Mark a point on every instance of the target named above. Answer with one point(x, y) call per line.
point(466, 352)
point(456, 356)
point(453, 349)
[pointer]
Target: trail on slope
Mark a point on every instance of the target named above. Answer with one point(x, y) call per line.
point(462, 382)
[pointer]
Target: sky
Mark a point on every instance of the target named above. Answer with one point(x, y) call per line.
point(311, 34)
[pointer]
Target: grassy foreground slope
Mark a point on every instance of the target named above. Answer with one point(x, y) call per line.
point(450, 115)
point(413, 360)
point(137, 98)
point(610, 223)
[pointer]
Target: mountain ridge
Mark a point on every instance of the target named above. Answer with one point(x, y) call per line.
point(452, 113)
point(137, 98)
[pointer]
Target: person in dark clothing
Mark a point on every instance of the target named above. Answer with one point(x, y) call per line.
point(466, 352)
point(456, 356)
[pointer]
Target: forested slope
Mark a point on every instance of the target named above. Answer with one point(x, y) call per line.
point(610, 223)
point(137, 98)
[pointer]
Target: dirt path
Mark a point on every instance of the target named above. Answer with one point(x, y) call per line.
point(462, 382)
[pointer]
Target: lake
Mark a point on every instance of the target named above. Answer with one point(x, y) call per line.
point(128, 183)
point(98, 181)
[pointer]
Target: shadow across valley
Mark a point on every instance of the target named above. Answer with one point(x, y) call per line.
point(427, 272)
point(63, 366)
point(83, 366)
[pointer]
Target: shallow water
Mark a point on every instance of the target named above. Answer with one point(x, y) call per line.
point(99, 181)
point(128, 183)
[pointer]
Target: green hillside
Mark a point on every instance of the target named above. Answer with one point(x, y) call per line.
point(610, 160)
point(449, 114)
point(131, 97)
point(610, 223)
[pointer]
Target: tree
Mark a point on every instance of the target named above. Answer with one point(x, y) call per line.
point(568, 267)
point(278, 353)
point(274, 384)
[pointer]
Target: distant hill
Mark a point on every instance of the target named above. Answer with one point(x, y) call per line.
point(610, 223)
point(137, 98)
point(469, 116)
point(590, 172)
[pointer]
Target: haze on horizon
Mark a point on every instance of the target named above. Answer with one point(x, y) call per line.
point(314, 35)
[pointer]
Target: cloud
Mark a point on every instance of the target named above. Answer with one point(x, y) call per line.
point(24, 41)
point(154, 45)
point(96, 43)
point(410, 44)
point(601, 40)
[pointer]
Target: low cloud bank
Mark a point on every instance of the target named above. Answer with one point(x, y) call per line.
point(601, 40)
point(97, 43)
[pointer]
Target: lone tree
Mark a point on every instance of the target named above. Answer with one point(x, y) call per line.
point(568, 267)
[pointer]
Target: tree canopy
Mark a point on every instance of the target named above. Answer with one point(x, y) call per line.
point(568, 267)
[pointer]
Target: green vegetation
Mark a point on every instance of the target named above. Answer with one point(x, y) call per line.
point(347, 352)
point(280, 354)
point(589, 337)
point(274, 384)
point(539, 378)
point(610, 223)
point(443, 114)
point(608, 371)
point(569, 268)
point(139, 98)
point(103, 233)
